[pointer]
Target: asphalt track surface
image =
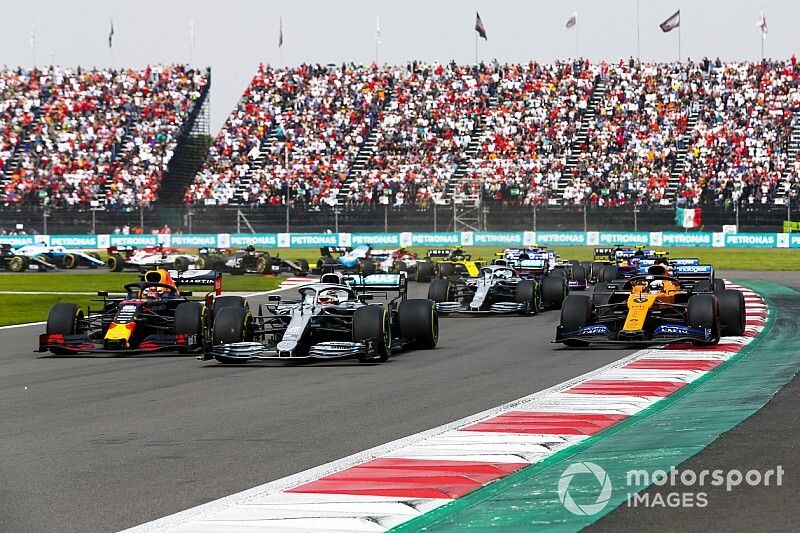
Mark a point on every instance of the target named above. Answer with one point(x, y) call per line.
point(103, 443)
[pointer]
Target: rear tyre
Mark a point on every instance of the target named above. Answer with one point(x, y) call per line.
point(610, 273)
point(596, 271)
point(554, 291)
point(399, 266)
point(367, 267)
point(527, 292)
point(231, 324)
point(69, 261)
point(17, 264)
point(440, 290)
point(181, 264)
point(418, 320)
point(371, 322)
point(115, 263)
point(702, 313)
point(719, 286)
point(326, 264)
point(731, 312)
point(579, 274)
point(190, 320)
point(575, 313)
point(262, 264)
point(446, 270)
point(424, 271)
point(227, 301)
point(303, 264)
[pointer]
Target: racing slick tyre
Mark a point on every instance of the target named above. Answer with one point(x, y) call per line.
point(575, 313)
point(587, 267)
point(609, 273)
point(227, 301)
point(439, 290)
point(262, 264)
point(425, 271)
point(702, 312)
point(202, 261)
point(371, 322)
point(17, 263)
point(731, 312)
point(596, 270)
point(579, 273)
point(419, 321)
point(64, 319)
point(326, 264)
point(231, 325)
point(554, 291)
point(303, 264)
point(115, 263)
point(719, 286)
point(528, 292)
point(69, 261)
point(181, 264)
point(190, 320)
point(367, 267)
point(446, 270)
point(399, 266)
point(93, 255)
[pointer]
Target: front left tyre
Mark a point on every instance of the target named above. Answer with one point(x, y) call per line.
point(418, 320)
point(64, 319)
point(371, 323)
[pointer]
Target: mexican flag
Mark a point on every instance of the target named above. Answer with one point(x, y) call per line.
point(687, 218)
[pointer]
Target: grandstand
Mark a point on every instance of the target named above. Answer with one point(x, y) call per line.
point(570, 135)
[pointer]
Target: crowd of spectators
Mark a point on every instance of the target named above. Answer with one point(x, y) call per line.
point(738, 150)
point(101, 135)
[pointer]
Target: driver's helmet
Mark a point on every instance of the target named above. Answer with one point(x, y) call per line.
point(251, 248)
point(329, 297)
point(502, 274)
point(153, 293)
point(655, 286)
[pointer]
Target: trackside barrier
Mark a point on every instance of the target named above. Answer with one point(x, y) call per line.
point(434, 240)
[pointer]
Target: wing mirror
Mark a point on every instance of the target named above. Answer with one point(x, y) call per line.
point(366, 297)
point(273, 298)
point(102, 293)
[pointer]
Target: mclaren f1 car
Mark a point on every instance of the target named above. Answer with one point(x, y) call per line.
point(667, 304)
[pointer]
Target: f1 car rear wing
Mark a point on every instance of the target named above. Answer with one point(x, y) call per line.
point(690, 272)
point(198, 277)
point(678, 261)
point(439, 252)
point(328, 251)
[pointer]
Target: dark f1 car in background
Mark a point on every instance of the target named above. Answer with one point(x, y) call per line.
point(249, 261)
point(331, 319)
point(153, 316)
point(447, 263)
point(497, 289)
point(680, 303)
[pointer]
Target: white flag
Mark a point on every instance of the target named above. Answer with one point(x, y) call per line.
point(572, 21)
point(378, 38)
point(762, 23)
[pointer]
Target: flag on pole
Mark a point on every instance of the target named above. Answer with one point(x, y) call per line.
point(671, 23)
point(572, 21)
point(762, 23)
point(378, 38)
point(479, 26)
point(280, 32)
point(111, 33)
point(688, 218)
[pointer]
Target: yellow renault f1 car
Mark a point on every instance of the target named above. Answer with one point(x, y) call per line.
point(447, 263)
point(667, 304)
point(152, 316)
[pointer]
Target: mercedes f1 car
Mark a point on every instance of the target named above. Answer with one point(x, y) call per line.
point(498, 289)
point(540, 262)
point(150, 257)
point(153, 316)
point(680, 303)
point(248, 261)
point(331, 319)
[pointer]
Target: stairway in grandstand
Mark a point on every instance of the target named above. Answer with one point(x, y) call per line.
point(792, 153)
point(581, 135)
point(459, 176)
point(26, 139)
point(678, 166)
point(365, 151)
point(268, 142)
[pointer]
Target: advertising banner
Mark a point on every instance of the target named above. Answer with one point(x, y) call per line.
point(196, 240)
point(18, 240)
point(313, 240)
point(751, 240)
point(624, 238)
point(74, 241)
point(680, 238)
point(376, 240)
point(133, 240)
point(561, 238)
point(436, 239)
point(506, 238)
